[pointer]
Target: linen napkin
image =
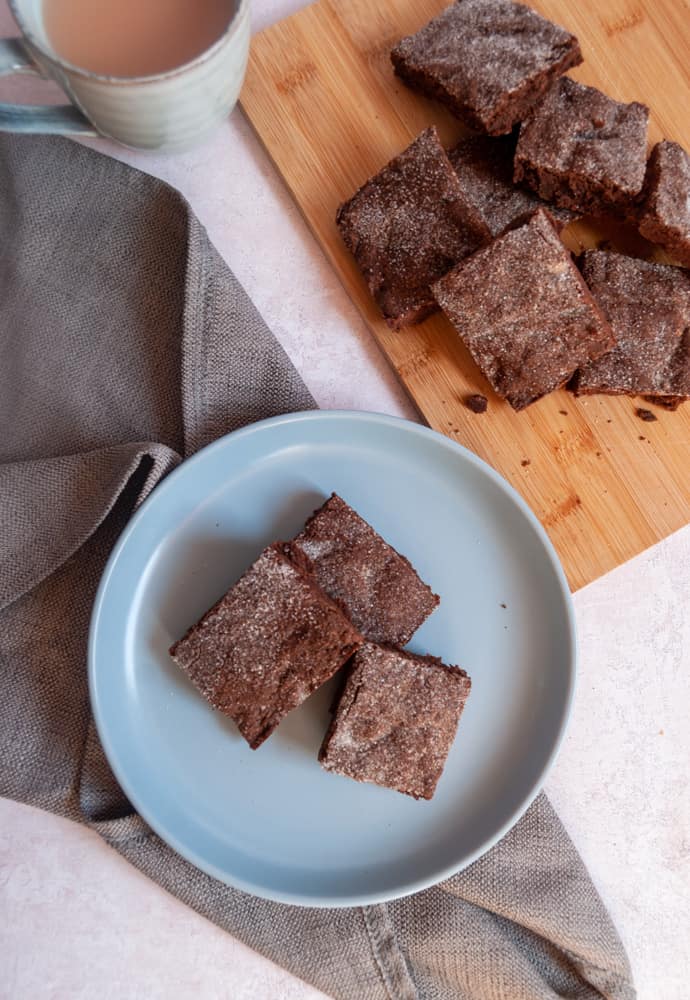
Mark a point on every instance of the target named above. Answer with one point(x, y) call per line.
point(125, 345)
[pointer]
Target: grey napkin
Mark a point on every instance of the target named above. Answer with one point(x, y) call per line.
point(125, 345)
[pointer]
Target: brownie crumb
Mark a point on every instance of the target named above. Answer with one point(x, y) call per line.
point(504, 605)
point(563, 413)
point(645, 414)
point(477, 403)
point(641, 437)
point(525, 462)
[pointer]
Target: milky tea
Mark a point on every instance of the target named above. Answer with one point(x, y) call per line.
point(128, 38)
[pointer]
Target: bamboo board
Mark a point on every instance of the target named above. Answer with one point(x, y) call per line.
point(321, 94)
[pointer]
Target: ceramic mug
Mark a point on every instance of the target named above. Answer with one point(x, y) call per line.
point(167, 111)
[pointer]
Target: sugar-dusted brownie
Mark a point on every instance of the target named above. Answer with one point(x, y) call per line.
point(264, 647)
point(407, 226)
point(524, 312)
point(396, 720)
point(648, 306)
point(664, 216)
point(378, 588)
point(485, 170)
point(584, 151)
point(489, 61)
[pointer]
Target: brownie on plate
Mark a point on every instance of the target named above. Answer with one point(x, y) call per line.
point(648, 306)
point(396, 720)
point(264, 647)
point(524, 312)
point(407, 226)
point(485, 170)
point(489, 61)
point(378, 588)
point(583, 150)
point(664, 216)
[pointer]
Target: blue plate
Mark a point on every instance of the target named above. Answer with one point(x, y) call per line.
point(272, 821)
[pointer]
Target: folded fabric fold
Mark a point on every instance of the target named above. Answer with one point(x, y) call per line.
point(125, 345)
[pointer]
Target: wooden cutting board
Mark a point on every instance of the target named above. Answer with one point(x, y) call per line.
point(322, 96)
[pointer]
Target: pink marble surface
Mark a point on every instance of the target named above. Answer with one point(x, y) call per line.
point(77, 921)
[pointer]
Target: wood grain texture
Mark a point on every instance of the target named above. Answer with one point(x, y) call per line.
point(321, 94)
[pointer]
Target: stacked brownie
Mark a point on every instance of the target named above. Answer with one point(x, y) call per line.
point(485, 246)
point(524, 312)
point(336, 594)
point(407, 226)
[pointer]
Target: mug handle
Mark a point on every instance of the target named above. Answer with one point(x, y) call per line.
point(46, 119)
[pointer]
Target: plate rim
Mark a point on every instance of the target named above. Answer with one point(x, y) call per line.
point(188, 853)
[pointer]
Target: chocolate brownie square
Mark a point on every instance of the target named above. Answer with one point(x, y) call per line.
point(485, 170)
point(648, 306)
point(584, 151)
point(664, 216)
point(264, 647)
point(396, 720)
point(489, 61)
point(407, 226)
point(378, 588)
point(524, 312)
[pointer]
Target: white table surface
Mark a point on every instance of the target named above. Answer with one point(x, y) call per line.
point(77, 921)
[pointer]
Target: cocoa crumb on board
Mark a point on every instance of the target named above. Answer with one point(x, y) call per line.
point(525, 462)
point(477, 403)
point(644, 414)
point(563, 413)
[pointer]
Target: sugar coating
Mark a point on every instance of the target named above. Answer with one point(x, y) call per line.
point(648, 306)
point(583, 150)
point(664, 217)
point(264, 647)
point(396, 720)
point(407, 226)
point(378, 588)
point(484, 167)
point(488, 60)
point(524, 312)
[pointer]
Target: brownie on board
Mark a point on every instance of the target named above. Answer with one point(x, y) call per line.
point(485, 170)
point(648, 306)
point(524, 312)
point(396, 720)
point(584, 151)
point(264, 647)
point(489, 61)
point(407, 226)
point(378, 588)
point(664, 216)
